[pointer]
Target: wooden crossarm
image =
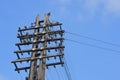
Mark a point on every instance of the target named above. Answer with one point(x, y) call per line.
point(40, 34)
point(33, 27)
point(39, 57)
point(40, 41)
point(39, 49)
point(47, 65)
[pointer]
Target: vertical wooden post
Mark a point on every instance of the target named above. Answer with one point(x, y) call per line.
point(42, 66)
point(33, 65)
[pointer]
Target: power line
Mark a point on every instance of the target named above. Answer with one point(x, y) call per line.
point(91, 45)
point(67, 70)
point(50, 74)
point(62, 74)
point(87, 37)
point(59, 78)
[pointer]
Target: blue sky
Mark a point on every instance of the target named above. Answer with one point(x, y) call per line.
point(98, 19)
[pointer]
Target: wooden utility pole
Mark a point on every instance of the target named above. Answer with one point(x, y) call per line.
point(33, 64)
point(44, 34)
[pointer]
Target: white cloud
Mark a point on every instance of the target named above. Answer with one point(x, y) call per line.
point(112, 6)
point(87, 9)
point(62, 7)
point(91, 4)
point(63, 1)
point(108, 6)
point(61, 4)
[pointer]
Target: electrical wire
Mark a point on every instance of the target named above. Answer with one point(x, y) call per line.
point(67, 70)
point(57, 71)
point(57, 74)
point(68, 77)
point(21, 76)
point(50, 74)
point(91, 45)
point(87, 37)
point(62, 74)
point(66, 64)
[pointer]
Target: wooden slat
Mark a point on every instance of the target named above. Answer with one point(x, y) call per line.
point(40, 41)
point(33, 27)
point(29, 58)
point(38, 49)
point(40, 34)
point(47, 65)
point(30, 28)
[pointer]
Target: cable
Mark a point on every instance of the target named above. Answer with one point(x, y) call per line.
point(57, 71)
point(67, 70)
point(68, 77)
point(91, 45)
point(62, 74)
point(57, 74)
point(21, 76)
point(87, 37)
point(50, 74)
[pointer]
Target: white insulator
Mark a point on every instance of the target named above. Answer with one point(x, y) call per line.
point(44, 25)
point(33, 48)
point(34, 40)
point(40, 57)
point(43, 31)
point(42, 39)
point(36, 26)
point(35, 33)
point(42, 48)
